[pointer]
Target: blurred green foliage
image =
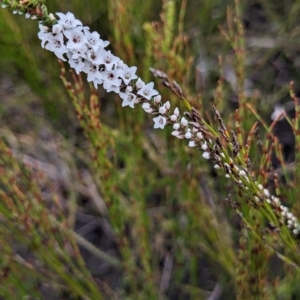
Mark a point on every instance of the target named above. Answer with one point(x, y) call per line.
point(159, 206)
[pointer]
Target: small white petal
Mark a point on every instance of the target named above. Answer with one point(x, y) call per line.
point(57, 28)
point(139, 84)
point(192, 144)
point(173, 118)
point(184, 121)
point(157, 98)
point(176, 126)
point(188, 135)
point(199, 135)
point(145, 105)
point(160, 122)
point(206, 155)
point(204, 146)
point(162, 110)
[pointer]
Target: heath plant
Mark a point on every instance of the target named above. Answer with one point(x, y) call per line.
point(201, 194)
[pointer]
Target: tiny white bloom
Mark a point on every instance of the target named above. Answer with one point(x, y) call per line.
point(51, 17)
point(108, 59)
point(79, 52)
point(157, 98)
point(176, 133)
point(188, 135)
point(111, 78)
point(176, 126)
point(173, 118)
point(76, 64)
point(92, 71)
point(68, 20)
point(140, 83)
point(56, 28)
point(97, 81)
point(162, 110)
point(128, 99)
point(160, 122)
point(167, 105)
point(217, 166)
point(76, 38)
point(93, 40)
point(184, 121)
point(199, 135)
point(128, 74)
point(147, 91)
point(44, 35)
point(94, 56)
point(56, 45)
point(192, 144)
point(113, 88)
point(206, 155)
point(145, 106)
point(129, 89)
point(204, 146)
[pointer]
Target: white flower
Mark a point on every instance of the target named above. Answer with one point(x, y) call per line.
point(113, 88)
point(57, 28)
point(93, 40)
point(128, 74)
point(76, 64)
point(92, 71)
point(160, 122)
point(206, 155)
point(52, 17)
point(44, 35)
point(111, 78)
point(147, 91)
point(184, 121)
point(68, 21)
point(204, 146)
point(140, 83)
point(147, 108)
point(94, 56)
point(56, 45)
point(162, 110)
point(175, 115)
point(79, 52)
point(97, 81)
point(108, 59)
point(129, 89)
point(176, 126)
point(128, 99)
point(192, 144)
point(199, 136)
point(178, 134)
point(157, 98)
point(76, 38)
point(188, 135)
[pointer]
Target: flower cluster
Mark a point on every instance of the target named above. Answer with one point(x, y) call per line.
point(85, 52)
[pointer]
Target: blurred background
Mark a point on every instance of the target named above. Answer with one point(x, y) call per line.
point(192, 237)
